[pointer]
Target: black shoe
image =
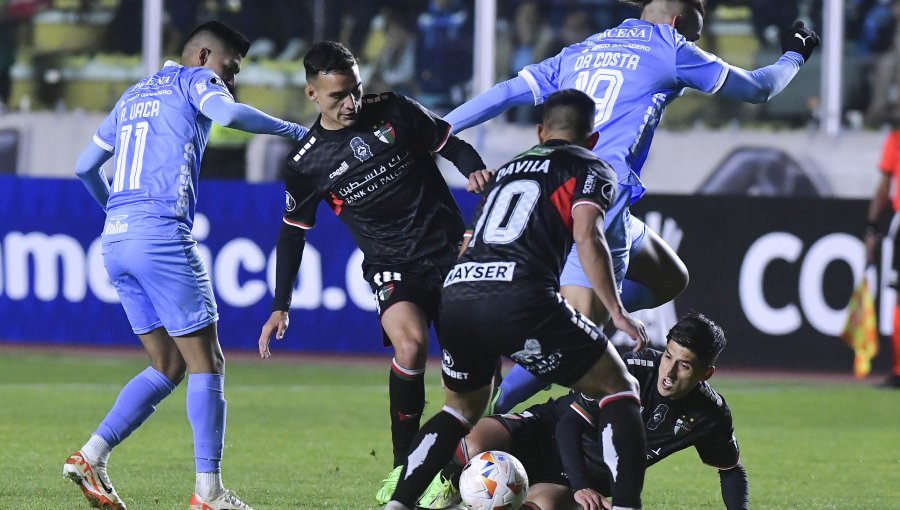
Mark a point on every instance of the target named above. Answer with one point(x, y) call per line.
point(891, 383)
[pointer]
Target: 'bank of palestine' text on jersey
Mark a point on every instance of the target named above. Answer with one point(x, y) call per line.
point(632, 72)
point(157, 133)
point(524, 228)
point(380, 178)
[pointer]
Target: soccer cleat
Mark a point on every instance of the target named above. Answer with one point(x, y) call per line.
point(440, 494)
point(225, 501)
point(389, 484)
point(93, 482)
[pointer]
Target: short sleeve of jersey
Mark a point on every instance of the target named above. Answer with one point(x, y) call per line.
point(431, 130)
point(301, 201)
point(595, 184)
point(698, 69)
point(204, 84)
point(105, 137)
point(720, 448)
point(543, 77)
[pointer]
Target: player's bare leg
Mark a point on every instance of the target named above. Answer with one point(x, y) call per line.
point(136, 402)
point(550, 496)
point(206, 412)
point(406, 326)
point(658, 267)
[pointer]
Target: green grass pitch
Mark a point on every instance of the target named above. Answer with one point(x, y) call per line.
point(315, 435)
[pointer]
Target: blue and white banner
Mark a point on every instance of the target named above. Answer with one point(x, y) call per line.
point(54, 287)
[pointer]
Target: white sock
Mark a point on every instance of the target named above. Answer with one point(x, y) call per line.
point(209, 485)
point(96, 451)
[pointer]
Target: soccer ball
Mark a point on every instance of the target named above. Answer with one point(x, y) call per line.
point(493, 480)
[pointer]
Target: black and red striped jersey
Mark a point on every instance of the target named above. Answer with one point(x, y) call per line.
point(523, 230)
point(379, 176)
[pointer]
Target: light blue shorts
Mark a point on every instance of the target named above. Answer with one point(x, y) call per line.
point(161, 282)
point(625, 236)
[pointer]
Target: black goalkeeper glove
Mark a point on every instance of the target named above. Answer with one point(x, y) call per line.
point(800, 39)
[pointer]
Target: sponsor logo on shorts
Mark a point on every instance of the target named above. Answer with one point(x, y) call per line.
point(480, 272)
point(447, 363)
point(533, 359)
point(659, 414)
point(386, 292)
point(116, 225)
point(446, 358)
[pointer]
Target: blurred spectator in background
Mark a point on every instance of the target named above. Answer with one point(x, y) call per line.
point(877, 30)
point(530, 40)
point(770, 18)
point(444, 54)
point(13, 13)
point(395, 67)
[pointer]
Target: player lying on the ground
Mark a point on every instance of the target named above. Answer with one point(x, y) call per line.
point(557, 440)
point(502, 299)
point(633, 71)
point(371, 158)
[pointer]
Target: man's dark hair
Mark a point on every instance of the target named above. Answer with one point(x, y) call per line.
point(231, 37)
point(327, 57)
point(571, 111)
point(701, 335)
point(700, 5)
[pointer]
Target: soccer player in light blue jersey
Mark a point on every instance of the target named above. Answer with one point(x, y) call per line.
point(633, 71)
point(157, 133)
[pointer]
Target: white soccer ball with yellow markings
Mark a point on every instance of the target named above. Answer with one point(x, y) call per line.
point(493, 480)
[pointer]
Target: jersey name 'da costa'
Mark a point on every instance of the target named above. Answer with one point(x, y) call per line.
point(523, 230)
point(157, 135)
point(380, 178)
point(700, 419)
point(632, 72)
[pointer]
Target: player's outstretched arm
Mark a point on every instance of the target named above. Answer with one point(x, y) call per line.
point(569, 429)
point(88, 168)
point(765, 83)
point(486, 106)
point(288, 255)
point(224, 111)
point(469, 163)
point(593, 252)
point(735, 488)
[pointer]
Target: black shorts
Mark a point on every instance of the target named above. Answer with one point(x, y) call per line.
point(534, 444)
point(538, 330)
point(393, 286)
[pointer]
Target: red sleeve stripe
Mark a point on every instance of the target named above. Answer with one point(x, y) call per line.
point(583, 413)
point(619, 396)
point(297, 224)
point(444, 140)
point(562, 200)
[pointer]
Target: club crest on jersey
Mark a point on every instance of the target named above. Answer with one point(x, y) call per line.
point(659, 414)
point(385, 292)
point(683, 426)
point(386, 133)
point(361, 149)
point(289, 203)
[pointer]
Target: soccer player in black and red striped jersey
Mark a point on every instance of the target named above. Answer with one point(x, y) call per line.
point(371, 159)
point(557, 441)
point(502, 298)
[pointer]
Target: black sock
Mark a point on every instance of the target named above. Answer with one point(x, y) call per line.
point(624, 447)
point(454, 468)
point(406, 388)
point(432, 448)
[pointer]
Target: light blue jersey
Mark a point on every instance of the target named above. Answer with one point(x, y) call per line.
point(633, 72)
point(157, 134)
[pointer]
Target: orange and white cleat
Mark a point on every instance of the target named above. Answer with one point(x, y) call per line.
point(225, 501)
point(93, 482)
